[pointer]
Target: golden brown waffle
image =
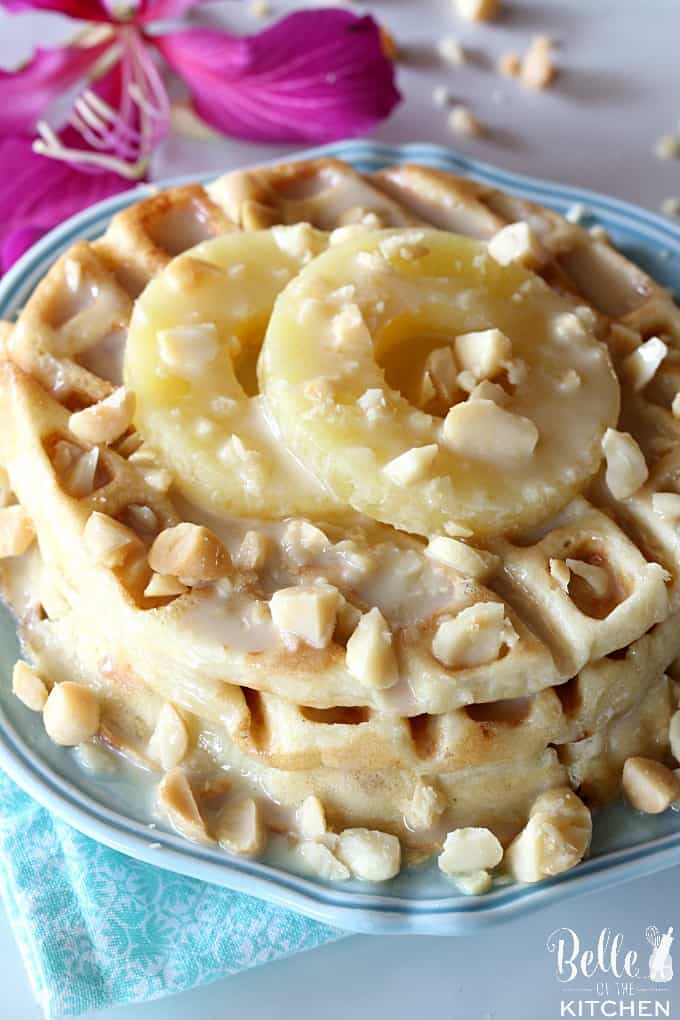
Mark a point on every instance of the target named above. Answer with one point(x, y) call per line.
point(580, 690)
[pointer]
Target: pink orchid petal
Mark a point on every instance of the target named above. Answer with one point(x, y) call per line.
point(100, 10)
point(27, 92)
point(164, 10)
point(37, 193)
point(86, 10)
point(315, 75)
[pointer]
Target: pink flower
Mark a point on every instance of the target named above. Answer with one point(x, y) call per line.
point(315, 75)
point(38, 193)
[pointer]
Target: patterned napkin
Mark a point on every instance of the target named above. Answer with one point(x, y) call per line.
point(96, 928)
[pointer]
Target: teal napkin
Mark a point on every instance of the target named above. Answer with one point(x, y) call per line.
point(96, 928)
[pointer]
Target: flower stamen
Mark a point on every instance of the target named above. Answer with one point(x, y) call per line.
point(49, 144)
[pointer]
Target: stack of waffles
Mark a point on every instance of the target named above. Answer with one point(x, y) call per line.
point(296, 582)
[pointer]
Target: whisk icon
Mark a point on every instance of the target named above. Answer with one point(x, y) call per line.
point(660, 962)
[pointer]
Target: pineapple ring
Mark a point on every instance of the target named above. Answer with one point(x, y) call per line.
point(190, 358)
point(347, 384)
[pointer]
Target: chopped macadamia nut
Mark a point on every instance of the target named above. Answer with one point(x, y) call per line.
point(16, 531)
point(144, 456)
point(477, 10)
point(568, 328)
point(369, 854)
point(648, 785)
point(473, 883)
point(671, 206)
point(569, 382)
point(673, 735)
point(253, 551)
point(598, 233)
point(468, 561)
point(626, 467)
point(29, 687)
point(441, 95)
point(311, 818)
point(463, 122)
point(517, 371)
point(510, 65)
point(474, 637)
point(450, 50)
point(426, 806)
point(457, 530)
point(303, 541)
point(106, 421)
point(142, 519)
point(145, 459)
point(538, 68)
point(470, 849)
point(71, 714)
point(481, 430)
point(486, 390)
point(441, 369)
point(188, 350)
point(666, 504)
point(412, 466)
point(306, 612)
point(370, 655)
point(259, 8)
point(427, 390)
point(191, 552)
point(595, 577)
point(299, 241)
point(515, 243)
point(675, 406)
point(466, 380)
point(73, 274)
point(164, 586)
point(79, 479)
point(322, 862)
point(169, 741)
point(240, 829)
point(668, 147)
point(348, 326)
point(372, 402)
point(406, 245)
point(97, 759)
point(483, 353)
point(560, 572)
point(555, 838)
point(109, 542)
point(641, 365)
point(176, 799)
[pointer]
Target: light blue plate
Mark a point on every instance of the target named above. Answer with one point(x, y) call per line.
point(625, 846)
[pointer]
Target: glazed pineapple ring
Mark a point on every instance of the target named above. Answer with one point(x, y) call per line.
point(190, 358)
point(434, 389)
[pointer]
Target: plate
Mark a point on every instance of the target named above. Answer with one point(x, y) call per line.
point(114, 811)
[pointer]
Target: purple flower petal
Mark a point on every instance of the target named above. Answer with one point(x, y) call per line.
point(87, 10)
point(315, 75)
point(37, 193)
point(164, 10)
point(27, 92)
point(101, 10)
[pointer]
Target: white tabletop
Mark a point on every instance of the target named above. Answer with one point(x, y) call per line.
point(617, 92)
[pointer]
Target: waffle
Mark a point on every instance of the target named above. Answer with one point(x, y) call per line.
point(576, 688)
